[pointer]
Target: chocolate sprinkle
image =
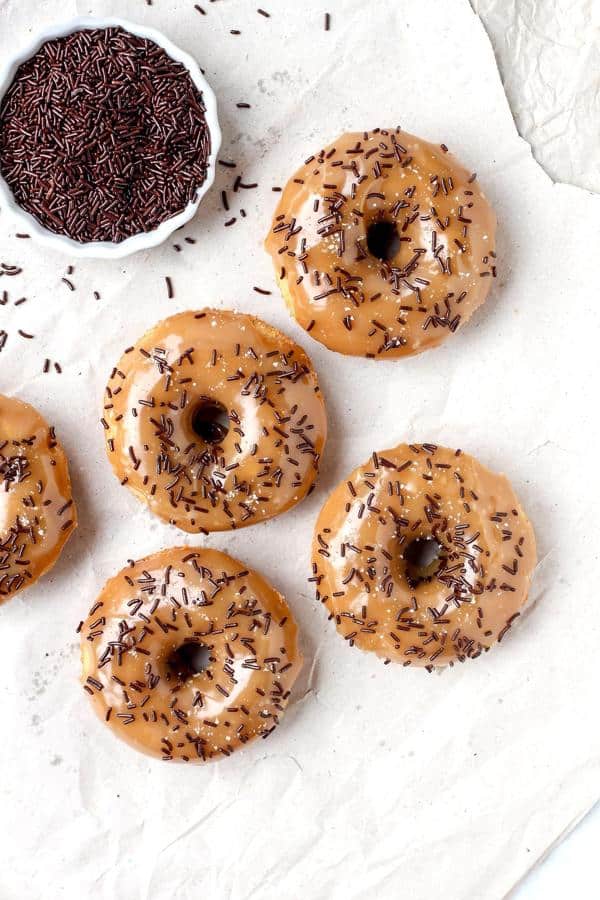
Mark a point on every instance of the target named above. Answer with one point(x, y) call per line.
point(103, 136)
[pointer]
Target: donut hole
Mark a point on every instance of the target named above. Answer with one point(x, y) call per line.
point(188, 660)
point(210, 421)
point(383, 240)
point(422, 559)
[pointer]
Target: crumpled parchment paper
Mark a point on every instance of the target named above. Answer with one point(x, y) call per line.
point(548, 52)
point(380, 781)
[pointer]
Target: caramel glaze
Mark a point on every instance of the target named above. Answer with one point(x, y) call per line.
point(443, 261)
point(37, 513)
point(205, 599)
point(264, 382)
point(466, 599)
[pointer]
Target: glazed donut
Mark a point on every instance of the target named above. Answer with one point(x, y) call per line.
point(37, 513)
point(187, 655)
point(423, 556)
point(383, 244)
point(215, 420)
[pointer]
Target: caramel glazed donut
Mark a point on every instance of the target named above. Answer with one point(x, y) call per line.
point(37, 513)
point(215, 420)
point(188, 655)
point(383, 244)
point(423, 556)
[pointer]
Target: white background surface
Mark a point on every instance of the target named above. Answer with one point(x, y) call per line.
point(570, 867)
point(380, 780)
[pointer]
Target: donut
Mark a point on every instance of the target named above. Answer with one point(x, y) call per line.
point(383, 244)
point(37, 512)
point(423, 556)
point(187, 655)
point(215, 420)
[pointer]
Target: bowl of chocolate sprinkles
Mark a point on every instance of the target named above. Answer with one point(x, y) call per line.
point(108, 137)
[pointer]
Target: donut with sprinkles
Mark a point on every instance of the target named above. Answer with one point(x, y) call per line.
point(383, 244)
point(188, 655)
point(423, 556)
point(37, 512)
point(215, 419)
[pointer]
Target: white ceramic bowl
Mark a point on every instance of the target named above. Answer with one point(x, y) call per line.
point(106, 249)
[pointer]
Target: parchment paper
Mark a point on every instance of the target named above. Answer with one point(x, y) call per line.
point(548, 52)
point(380, 781)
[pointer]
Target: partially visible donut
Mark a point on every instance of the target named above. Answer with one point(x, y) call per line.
point(215, 420)
point(188, 655)
point(423, 556)
point(383, 244)
point(37, 513)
